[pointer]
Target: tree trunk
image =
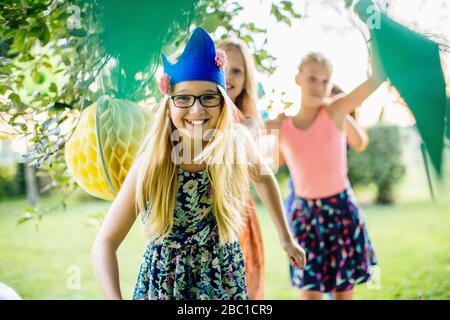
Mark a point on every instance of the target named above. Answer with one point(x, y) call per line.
point(385, 194)
point(31, 185)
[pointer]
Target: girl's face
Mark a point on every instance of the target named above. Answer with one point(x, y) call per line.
point(194, 121)
point(314, 80)
point(235, 73)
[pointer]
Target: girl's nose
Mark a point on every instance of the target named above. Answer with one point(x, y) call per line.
point(197, 107)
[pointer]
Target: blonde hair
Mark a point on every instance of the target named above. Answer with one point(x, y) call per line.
point(247, 99)
point(315, 57)
point(227, 166)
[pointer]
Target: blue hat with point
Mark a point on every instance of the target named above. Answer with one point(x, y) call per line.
point(200, 61)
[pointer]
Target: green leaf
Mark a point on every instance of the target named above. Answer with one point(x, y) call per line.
point(14, 97)
point(53, 87)
point(47, 65)
point(37, 76)
point(44, 36)
point(26, 57)
point(58, 106)
point(66, 60)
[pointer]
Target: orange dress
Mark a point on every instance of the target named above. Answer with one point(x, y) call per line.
point(252, 248)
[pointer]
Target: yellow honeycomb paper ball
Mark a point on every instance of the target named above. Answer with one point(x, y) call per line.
point(104, 144)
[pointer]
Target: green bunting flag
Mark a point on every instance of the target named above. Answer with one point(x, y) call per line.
point(412, 64)
point(134, 32)
point(448, 118)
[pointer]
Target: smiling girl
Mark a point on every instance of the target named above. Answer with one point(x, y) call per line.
point(189, 183)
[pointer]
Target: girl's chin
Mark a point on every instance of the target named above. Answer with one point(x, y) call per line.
point(232, 94)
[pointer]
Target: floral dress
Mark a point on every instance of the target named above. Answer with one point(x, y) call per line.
point(190, 263)
point(333, 232)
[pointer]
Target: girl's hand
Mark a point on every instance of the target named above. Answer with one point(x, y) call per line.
point(296, 254)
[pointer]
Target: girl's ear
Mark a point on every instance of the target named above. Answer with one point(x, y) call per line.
point(298, 79)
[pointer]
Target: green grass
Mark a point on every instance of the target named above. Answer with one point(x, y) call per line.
point(411, 241)
point(39, 264)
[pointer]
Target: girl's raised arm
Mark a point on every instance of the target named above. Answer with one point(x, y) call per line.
point(351, 101)
point(118, 221)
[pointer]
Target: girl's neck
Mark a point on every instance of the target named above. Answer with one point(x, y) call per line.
point(190, 163)
point(305, 117)
point(192, 167)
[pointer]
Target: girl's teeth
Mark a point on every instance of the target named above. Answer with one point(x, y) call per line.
point(196, 122)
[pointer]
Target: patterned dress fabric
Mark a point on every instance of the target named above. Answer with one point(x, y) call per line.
point(190, 263)
point(333, 233)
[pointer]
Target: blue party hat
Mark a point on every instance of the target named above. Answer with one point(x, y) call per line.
point(199, 61)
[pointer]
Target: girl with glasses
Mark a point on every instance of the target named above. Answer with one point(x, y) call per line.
point(189, 183)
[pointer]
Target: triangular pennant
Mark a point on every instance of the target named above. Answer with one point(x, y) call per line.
point(412, 64)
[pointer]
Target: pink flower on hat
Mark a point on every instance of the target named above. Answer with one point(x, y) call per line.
point(221, 58)
point(164, 84)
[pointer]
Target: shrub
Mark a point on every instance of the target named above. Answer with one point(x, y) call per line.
point(12, 182)
point(381, 164)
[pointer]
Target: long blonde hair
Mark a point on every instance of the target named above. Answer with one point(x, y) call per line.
point(227, 165)
point(247, 99)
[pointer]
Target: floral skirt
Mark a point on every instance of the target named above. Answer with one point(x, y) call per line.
point(195, 272)
point(334, 236)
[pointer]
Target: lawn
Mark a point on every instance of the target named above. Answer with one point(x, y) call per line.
point(411, 240)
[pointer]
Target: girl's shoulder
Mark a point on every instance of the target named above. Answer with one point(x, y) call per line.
point(244, 143)
point(333, 114)
point(241, 133)
point(277, 122)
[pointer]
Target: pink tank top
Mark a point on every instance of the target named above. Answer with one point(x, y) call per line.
point(316, 157)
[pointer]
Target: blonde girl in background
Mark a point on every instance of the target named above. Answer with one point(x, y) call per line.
point(325, 217)
point(242, 90)
point(357, 138)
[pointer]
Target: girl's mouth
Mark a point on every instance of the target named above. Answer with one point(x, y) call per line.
point(200, 122)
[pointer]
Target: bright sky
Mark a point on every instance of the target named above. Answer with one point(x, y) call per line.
point(332, 33)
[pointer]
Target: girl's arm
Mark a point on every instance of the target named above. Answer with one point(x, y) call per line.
point(117, 223)
point(268, 191)
point(356, 136)
point(273, 128)
point(274, 124)
point(253, 124)
point(351, 101)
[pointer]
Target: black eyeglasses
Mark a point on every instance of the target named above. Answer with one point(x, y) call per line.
point(208, 100)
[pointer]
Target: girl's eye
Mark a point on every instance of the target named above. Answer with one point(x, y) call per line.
point(183, 98)
point(210, 100)
point(236, 71)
